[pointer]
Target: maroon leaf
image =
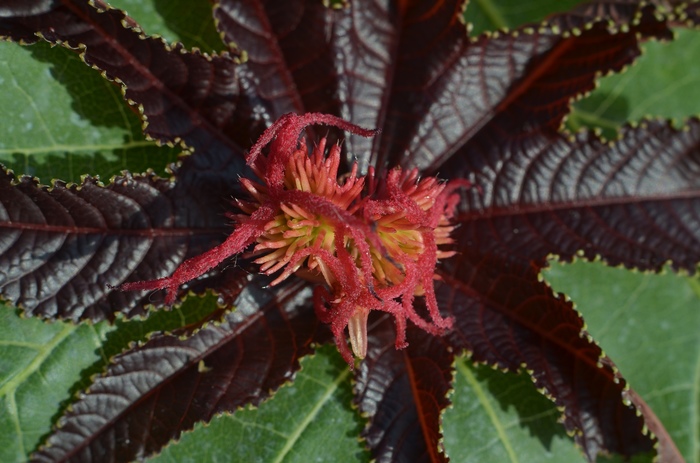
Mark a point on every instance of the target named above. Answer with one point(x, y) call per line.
point(22, 8)
point(445, 94)
point(419, 74)
point(151, 394)
point(62, 247)
point(508, 318)
point(689, 12)
point(284, 43)
point(442, 88)
point(403, 392)
point(617, 12)
point(634, 202)
point(410, 69)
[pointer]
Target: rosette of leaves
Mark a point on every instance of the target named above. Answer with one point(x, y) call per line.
point(486, 108)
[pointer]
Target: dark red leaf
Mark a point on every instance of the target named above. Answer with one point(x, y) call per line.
point(505, 316)
point(689, 12)
point(151, 394)
point(517, 82)
point(61, 247)
point(635, 202)
point(411, 70)
point(418, 73)
point(298, 52)
point(287, 52)
point(403, 392)
point(22, 8)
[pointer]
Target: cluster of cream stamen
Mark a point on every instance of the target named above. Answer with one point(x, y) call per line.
point(371, 243)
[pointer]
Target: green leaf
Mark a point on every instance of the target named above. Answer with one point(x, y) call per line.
point(649, 325)
point(492, 15)
point(664, 82)
point(42, 366)
point(63, 119)
point(508, 420)
point(640, 320)
point(183, 21)
point(308, 420)
point(39, 364)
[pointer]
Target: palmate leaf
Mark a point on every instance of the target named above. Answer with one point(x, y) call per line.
point(402, 73)
point(201, 104)
point(217, 162)
point(522, 81)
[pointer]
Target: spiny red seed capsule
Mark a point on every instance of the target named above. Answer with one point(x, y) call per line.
point(371, 243)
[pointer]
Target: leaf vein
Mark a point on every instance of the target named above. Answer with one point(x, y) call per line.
point(34, 365)
point(294, 436)
point(481, 396)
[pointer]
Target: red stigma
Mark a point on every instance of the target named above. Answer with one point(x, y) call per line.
point(371, 243)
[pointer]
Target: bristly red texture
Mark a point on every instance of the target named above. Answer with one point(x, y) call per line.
point(374, 241)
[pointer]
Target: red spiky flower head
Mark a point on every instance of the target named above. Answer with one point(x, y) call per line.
point(371, 243)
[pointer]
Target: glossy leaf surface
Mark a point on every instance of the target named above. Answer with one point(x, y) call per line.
point(633, 202)
point(60, 245)
point(487, 110)
point(404, 393)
